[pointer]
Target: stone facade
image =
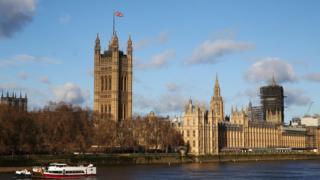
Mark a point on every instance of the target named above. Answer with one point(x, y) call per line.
point(113, 80)
point(19, 103)
point(210, 132)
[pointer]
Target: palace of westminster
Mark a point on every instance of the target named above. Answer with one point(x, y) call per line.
point(205, 131)
point(254, 128)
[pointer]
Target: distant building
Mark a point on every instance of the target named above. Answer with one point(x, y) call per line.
point(255, 113)
point(19, 103)
point(310, 121)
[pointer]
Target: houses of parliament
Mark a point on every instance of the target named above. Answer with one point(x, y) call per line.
point(254, 128)
point(113, 80)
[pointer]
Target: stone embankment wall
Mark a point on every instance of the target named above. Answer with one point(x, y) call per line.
point(114, 159)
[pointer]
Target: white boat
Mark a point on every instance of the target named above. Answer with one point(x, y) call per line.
point(61, 170)
point(23, 173)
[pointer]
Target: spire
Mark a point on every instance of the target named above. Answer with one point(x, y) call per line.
point(217, 87)
point(129, 41)
point(25, 96)
point(190, 100)
point(114, 41)
point(273, 81)
point(20, 95)
point(97, 45)
point(97, 39)
point(2, 94)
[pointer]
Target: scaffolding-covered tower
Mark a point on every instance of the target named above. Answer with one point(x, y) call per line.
point(272, 101)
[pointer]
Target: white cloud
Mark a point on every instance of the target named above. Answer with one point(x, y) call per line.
point(313, 77)
point(165, 104)
point(209, 51)
point(24, 59)
point(157, 61)
point(172, 87)
point(171, 101)
point(296, 97)
point(23, 75)
point(45, 80)
point(15, 15)
point(161, 38)
point(65, 19)
point(264, 69)
point(69, 93)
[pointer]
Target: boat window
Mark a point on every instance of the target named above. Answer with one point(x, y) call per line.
point(74, 172)
point(56, 172)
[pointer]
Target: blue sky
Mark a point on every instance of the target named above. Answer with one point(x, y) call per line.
point(46, 50)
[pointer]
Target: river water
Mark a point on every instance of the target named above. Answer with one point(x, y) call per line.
point(306, 169)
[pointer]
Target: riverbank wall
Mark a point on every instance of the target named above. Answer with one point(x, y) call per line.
point(132, 159)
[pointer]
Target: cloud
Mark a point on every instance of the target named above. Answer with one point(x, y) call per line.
point(209, 51)
point(264, 69)
point(25, 58)
point(296, 97)
point(65, 19)
point(157, 61)
point(161, 38)
point(23, 75)
point(15, 15)
point(313, 77)
point(166, 103)
point(45, 80)
point(69, 93)
point(251, 93)
point(170, 101)
point(172, 87)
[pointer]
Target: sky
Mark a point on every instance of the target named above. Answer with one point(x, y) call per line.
point(46, 50)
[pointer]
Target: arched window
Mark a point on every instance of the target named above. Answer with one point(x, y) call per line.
point(125, 83)
point(102, 83)
point(110, 83)
point(106, 83)
point(217, 109)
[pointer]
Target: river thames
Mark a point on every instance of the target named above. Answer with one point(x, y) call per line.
point(300, 169)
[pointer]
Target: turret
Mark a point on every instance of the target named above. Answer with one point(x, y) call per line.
point(217, 88)
point(97, 47)
point(129, 46)
point(115, 42)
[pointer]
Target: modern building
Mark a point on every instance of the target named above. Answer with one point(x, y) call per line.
point(313, 121)
point(19, 103)
point(209, 132)
point(113, 80)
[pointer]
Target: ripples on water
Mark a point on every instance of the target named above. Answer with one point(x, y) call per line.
point(238, 170)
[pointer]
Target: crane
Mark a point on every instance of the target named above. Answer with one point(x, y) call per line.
point(309, 107)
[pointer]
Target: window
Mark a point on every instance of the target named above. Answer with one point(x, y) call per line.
point(106, 83)
point(194, 143)
point(110, 81)
point(102, 83)
point(194, 133)
point(187, 133)
point(217, 109)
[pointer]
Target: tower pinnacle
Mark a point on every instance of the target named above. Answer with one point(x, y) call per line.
point(273, 83)
point(217, 87)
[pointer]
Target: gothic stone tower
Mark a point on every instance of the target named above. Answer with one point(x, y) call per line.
point(113, 80)
point(216, 116)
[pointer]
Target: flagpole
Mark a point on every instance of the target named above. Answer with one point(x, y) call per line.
point(114, 23)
